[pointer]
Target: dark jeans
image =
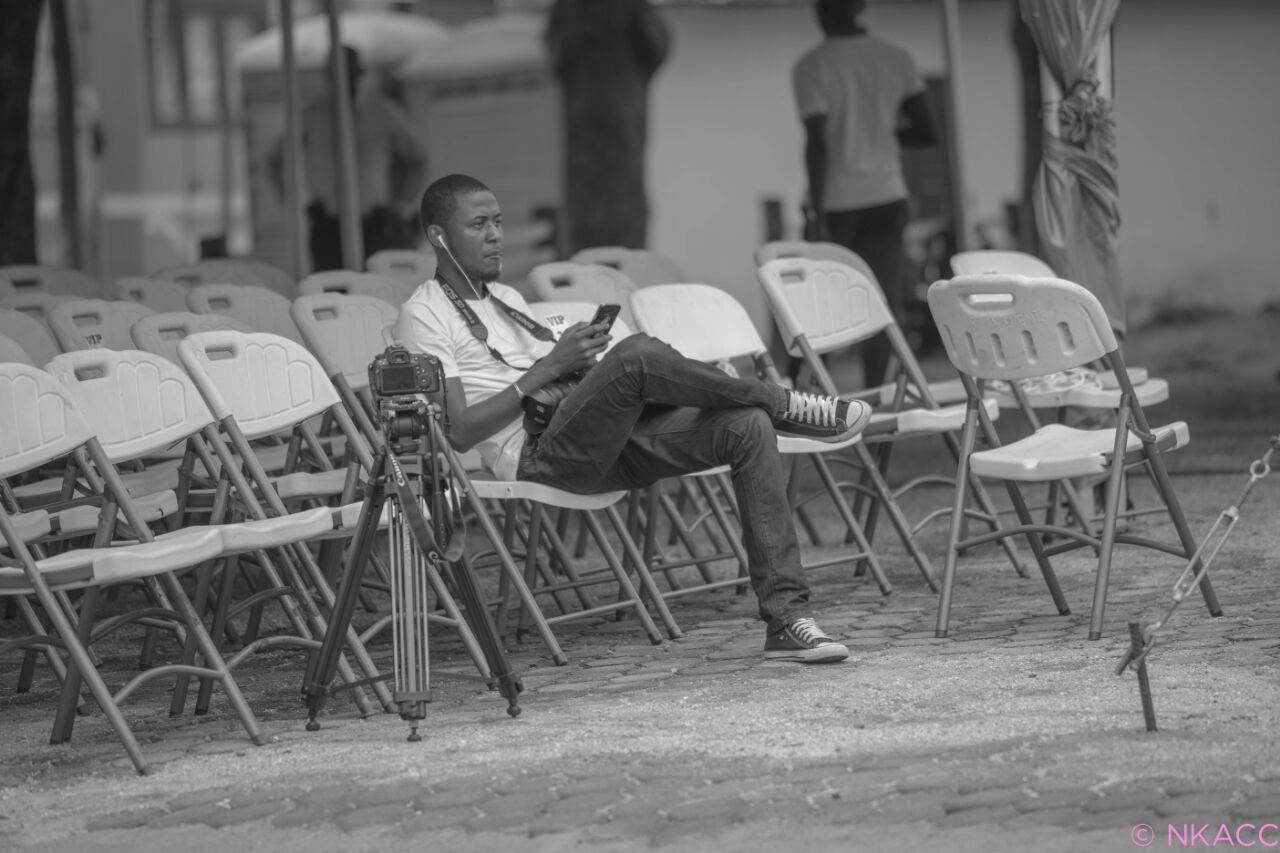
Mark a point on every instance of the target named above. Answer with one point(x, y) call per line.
point(645, 413)
point(875, 233)
point(382, 228)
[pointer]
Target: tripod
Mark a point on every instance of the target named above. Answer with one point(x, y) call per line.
point(416, 551)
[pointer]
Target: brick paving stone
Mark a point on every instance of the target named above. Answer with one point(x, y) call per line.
point(907, 807)
point(247, 813)
point(1120, 801)
point(1057, 816)
point(980, 816)
point(725, 808)
point(456, 816)
point(680, 833)
point(385, 795)
point(125, 820)
point(988, 799)
point(1071, 798)
point(1260, 808)
point(940, 782)
point(302, 814)
point(1204, 803)
point(201, 798)
point(1007, 779)
point(644, 803)
point(584, 803)
point(1118, 819)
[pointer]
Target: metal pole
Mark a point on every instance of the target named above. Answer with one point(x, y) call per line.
point(955, 148)
point(68, 164)
point(340, 101)
point(296, 227)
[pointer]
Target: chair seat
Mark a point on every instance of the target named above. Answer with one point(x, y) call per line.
point(310, 484)
point(490, 489)
point(945, 393)
point(923, 421)
point(30, 525)
point(347, 516)
point(273, 532)
point(156, 506)
point(1086, 389)
point(1055, 452)
point(89, 566)
point(798, 444)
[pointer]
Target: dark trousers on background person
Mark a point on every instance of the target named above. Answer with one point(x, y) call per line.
point(875, 233)
point(382, 228)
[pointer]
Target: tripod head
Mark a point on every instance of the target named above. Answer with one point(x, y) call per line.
point(409, 389)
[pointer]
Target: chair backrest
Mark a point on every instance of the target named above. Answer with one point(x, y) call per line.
point(29, 333)
point(257, 307)
point(565, 281)
point(558, 316)
point(158, 294)
point(814, 251)
point(28, 278)
point(140, 402)
point(402, 263)
point(997, 326)
point(645, 267)
point(831, 304)
point(160, 333)
point(11, 350)
point(700, 321)
point(266, 382)
point(39, 420)
point(35, 303)
point(231, 271)
point(93, 323)
point(389, 288)
point(979, 261)
point(344, 332)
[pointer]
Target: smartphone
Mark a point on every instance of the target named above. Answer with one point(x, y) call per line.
point(606, 314)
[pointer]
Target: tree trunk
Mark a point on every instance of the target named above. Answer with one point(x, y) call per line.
point(604, 53)
point(19, 25)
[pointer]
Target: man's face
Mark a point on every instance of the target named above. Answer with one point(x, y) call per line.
point(474, 234)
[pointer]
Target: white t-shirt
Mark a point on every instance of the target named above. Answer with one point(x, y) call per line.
point(858, 83)
point(429, 323)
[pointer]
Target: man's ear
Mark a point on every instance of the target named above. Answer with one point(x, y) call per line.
point(435, 236)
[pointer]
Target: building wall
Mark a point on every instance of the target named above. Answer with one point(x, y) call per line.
point(1195, 127)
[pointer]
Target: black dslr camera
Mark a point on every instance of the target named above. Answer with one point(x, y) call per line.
point(397, 377)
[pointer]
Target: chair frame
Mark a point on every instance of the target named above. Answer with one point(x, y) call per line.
point(1011, 327)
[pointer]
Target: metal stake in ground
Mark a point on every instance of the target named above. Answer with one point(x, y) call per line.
point(1143, 637)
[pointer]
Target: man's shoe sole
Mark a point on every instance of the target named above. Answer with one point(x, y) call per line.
point(832, 653)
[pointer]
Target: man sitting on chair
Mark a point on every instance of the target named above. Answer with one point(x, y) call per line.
point(640, 414)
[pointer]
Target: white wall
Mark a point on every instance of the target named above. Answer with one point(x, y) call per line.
point(1197, 132)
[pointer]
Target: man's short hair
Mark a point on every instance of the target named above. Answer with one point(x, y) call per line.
point(440, 200)
point(838, 14)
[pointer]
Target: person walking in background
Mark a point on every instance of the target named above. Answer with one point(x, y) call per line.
point(861, 99)
point(390, 165)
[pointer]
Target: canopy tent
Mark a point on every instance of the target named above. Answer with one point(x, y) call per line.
point(1075, 195)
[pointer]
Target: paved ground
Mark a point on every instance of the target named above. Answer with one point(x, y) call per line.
point(1013, 733)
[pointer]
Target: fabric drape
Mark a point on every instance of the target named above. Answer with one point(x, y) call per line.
point(1075, 195)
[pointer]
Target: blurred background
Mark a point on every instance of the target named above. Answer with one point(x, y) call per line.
point(173, 105)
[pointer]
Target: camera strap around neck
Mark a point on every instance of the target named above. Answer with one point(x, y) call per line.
point(480, 331)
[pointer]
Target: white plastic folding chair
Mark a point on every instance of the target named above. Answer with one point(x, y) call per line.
point(1085, 391)
point(40, 423)
point(564, 281)
point(245, 271)
point(392, 289)
point(160, 333)
point(29, 278)
point(11, 350)
point(159, 294)
point(257, 307)
point(93, 323)
point(643, 266)
point(1010, 328)
point(29, 333)
point(709, 324)
point(402, 263)
point(821, 306)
